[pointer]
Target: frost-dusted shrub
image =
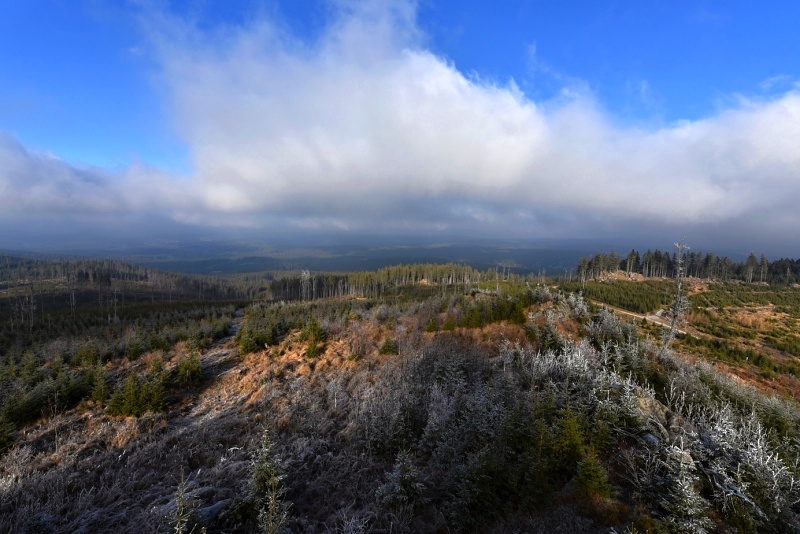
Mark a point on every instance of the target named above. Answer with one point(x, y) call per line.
point(542, 294)
point(578, 305)
point(687, 511)
point(401, 491)
point(266, 487)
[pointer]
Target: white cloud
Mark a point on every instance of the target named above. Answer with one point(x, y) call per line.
point(365, 129)
point(40, 183)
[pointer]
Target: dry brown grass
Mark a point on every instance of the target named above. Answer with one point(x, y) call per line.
point(83, 471)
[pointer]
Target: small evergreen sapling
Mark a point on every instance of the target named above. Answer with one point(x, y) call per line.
point(183, 519)
point(266, 488)
point(402, 490)
point(592, 478)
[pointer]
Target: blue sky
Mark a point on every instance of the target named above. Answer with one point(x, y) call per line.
point(653, 120)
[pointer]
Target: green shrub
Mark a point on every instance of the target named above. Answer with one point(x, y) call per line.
point(247, 343)
point(99, 385)
point(136, 347)
point(135, 397)
point(190, 372)
point(313, 332)
point(313, 350)
point(85, 356)
point(570, 443)
point(592, 478)
point(432, 326)
point(126, 400)
point(389, 347)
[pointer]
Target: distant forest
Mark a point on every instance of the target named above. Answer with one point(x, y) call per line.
point(85, 274)
point(658, 264)
point(376, 284)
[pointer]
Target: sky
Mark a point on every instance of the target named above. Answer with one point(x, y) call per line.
point(651, 121)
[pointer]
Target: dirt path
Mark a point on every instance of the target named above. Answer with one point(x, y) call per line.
point(652, 318)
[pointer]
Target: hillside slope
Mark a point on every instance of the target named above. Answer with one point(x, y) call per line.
point(570, 421)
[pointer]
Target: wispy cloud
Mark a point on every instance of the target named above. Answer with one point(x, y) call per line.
point(39, 183)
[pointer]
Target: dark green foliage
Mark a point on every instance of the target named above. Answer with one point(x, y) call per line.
point(99, 300)
point(128, 399)
point(725, 330)
point(313, 350)
point(569, 444)
point(136, 347)
point(313, 332)
point(267, 324)
point(482, 310)
point(246, 342)
point(137, 396)
point(592, 478)
point(471, 318)
point(789, 346)
point(189, 372)
point(696, 264)
point(100, 386)
point(86, 356)
point(450, 435)
point(432, 326)
point(259, 330)
point(516, 471)
point(401, 282)
point(389, 346)
point(638, 297)
point(449, 323)
point(716, 349)
point(543, 332)
point(32, 395)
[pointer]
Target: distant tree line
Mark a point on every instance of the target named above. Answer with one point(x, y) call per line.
point(126, 309)
point(73, 275)
point(306, 285)
point(658, 264)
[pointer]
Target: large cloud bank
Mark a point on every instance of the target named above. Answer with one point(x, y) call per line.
point(364, 129)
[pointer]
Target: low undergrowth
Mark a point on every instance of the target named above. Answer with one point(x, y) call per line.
point(565, 418)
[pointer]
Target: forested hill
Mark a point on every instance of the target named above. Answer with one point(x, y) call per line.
point(660, 264)
point(46, 299)
point(306, 285)
point(26, 275)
